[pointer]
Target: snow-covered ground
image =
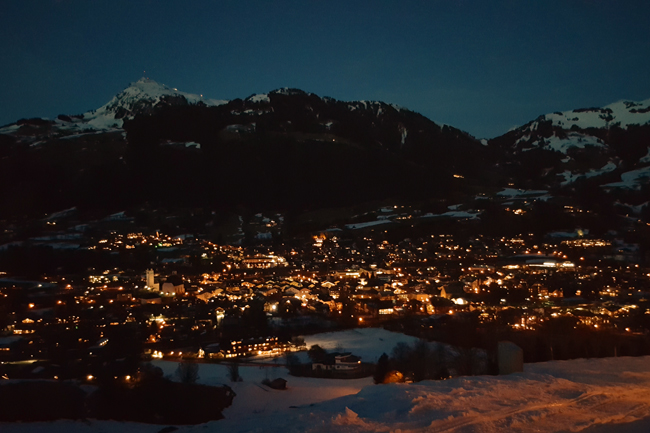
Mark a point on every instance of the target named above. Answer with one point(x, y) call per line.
point(356, 226)
point(387, 215)
point(368, 343)
point(255, 400)
point(454, 214)
point(588, 395)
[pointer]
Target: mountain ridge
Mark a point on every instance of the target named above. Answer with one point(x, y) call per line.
point(348, 151)
point(141, 96)
point(365, 150)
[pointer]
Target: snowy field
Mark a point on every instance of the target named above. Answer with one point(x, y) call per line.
point(255, 400)
point(368, 343)
point(588, 395)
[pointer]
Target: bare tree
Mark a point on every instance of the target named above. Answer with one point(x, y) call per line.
point(233, 371)
point(187, 371)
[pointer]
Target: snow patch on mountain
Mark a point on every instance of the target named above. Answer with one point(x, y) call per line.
point(622, 113)
point(187, 144)
point(632, 179)
point(259, 98)
point(377, 107)
point(9, 129)
point(289, 91)
point(523, 139)
point(357, 226)
point(570, 177)
point(572, 140)
point(645, 158)
point(404, 133)
point(515, 193)
point(635, 209)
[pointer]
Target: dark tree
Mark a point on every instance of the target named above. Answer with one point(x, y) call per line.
point(317, 353)
point(187, 371)
point(382, 369)
point(233, 371)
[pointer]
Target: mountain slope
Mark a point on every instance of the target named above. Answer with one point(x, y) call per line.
point(598, 145)
point(154, 143)
point(307, 151)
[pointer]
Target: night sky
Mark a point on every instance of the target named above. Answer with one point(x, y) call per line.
point(482, 66)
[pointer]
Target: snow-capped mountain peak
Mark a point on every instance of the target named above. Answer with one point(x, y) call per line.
point(140, 97)
point(259, 98)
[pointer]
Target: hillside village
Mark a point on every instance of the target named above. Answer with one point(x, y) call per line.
point(178, 296)
point(167, 229)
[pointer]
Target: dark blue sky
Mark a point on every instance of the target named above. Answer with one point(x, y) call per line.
point(482, 66)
